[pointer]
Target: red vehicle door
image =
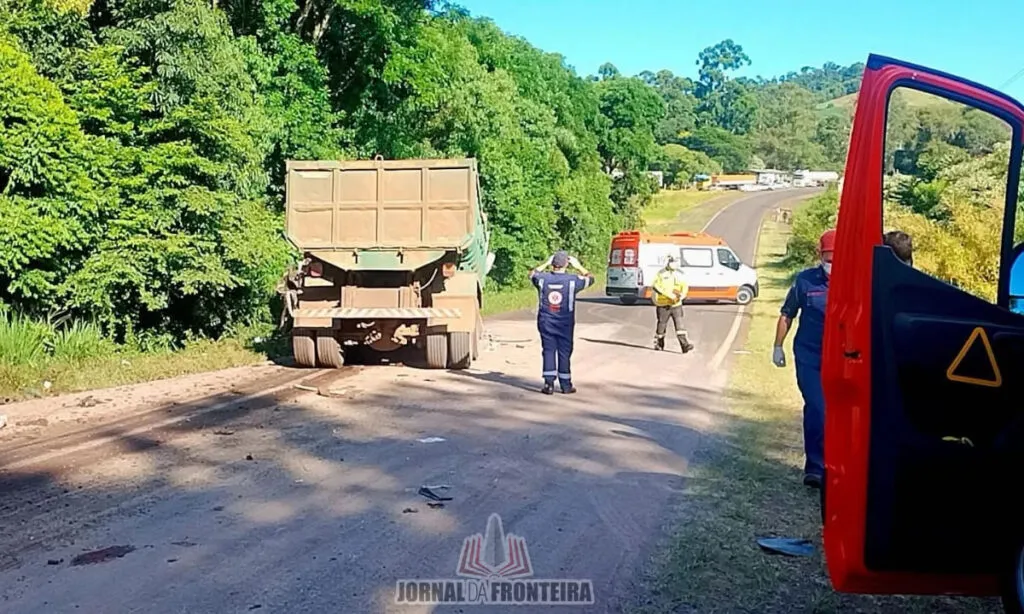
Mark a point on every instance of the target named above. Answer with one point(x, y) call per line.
point(924, 383)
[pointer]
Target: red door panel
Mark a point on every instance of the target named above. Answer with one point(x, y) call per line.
point(889, 526)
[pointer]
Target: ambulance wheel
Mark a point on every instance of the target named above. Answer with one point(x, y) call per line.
point(437, 351)
point(744, 295)
point(627, 299)
point(1013, 585)
point(328, 351)
point(304, 348)
point(460, 350)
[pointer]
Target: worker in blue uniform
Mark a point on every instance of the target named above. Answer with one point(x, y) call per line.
point(808, 297)
point(556, 316)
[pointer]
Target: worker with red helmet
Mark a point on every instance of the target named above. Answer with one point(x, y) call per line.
point(807, 297)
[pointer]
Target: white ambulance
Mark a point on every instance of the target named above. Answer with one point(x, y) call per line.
point(709, 265)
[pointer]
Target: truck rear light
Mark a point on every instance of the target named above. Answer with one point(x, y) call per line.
point(448, 269)
point(315, 269)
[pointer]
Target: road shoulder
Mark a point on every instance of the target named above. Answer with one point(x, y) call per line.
point(745, 484)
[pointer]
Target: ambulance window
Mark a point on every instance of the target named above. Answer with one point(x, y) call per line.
point(629, 257)
point(616, 257)
point(696, 257)
point(946, 171)
point(728, 259)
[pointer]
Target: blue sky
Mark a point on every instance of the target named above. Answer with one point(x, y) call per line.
point(980, 40)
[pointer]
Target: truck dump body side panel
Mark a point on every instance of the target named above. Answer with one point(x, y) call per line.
point(393, 204)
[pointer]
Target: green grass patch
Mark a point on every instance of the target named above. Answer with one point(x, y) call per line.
point(677, 210)
point(40, 358)
point(747, 484)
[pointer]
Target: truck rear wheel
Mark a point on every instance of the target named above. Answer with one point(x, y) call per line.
point(328, 351)
point(460, 350)
point(304, 348)
point(437, 351)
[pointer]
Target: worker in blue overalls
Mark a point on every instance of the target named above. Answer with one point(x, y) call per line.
point(556, 316)
point(808, 297)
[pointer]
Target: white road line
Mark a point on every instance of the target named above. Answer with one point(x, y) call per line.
point(734, 329)
point(722, 210)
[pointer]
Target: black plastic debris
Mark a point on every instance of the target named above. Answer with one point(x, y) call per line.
point(789, 546)
point(430, 494)
point(102, 556)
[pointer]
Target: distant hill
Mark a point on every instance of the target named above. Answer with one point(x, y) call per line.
point(913, 99)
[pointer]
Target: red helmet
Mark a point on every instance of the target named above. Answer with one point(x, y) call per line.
point(827, 242)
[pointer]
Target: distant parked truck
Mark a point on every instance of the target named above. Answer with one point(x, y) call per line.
point(806, 178)
point(394, 255)
point(732, 182)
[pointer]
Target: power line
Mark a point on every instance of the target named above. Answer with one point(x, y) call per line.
point(1013, 79)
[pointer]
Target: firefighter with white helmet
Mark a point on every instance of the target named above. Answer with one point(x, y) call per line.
point(670, 288)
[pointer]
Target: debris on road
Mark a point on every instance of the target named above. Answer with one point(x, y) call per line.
point(435, 506)
point(54, 561)
point(431, 440)
point(3, 420)
point(790, 546)
point(410, 510)
point(430, 494)
point(89, 401)
point(184, 543)
point(101, 556)
point(248, 457)
point(306, 388)
point(36, 422)
point(223, 432)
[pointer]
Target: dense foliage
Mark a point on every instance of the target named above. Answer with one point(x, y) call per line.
point(142, 142)
point(945, 186)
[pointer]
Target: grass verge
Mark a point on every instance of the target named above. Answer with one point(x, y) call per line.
point(675, 210)
point(39, 358)
point(746, 484)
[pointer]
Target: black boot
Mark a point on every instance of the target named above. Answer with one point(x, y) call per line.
point(684, 344)
point(549, 388)
point(659, 343)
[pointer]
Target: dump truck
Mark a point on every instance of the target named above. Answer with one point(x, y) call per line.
point(394, 255)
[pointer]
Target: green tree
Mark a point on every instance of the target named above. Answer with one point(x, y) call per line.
point(732, 152)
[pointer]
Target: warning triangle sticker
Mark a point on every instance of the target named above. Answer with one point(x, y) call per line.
point(995, 380)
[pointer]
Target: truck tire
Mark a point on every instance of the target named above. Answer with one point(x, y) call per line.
point(304, 348)
point(460, 350)
point(437, 351)
point(478, 335)
point(744, 295)
point(328, 351)
point(627, 299)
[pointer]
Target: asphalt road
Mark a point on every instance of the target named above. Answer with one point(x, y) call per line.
point(310, 503)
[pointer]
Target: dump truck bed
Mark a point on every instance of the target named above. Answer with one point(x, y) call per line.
point(381, 204)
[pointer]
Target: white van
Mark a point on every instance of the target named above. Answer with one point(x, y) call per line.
point(709, 265)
